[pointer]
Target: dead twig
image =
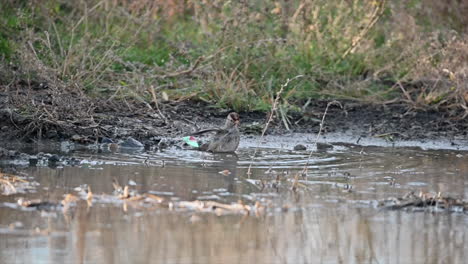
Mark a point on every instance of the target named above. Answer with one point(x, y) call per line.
point(270, 117)
point(306, 167)
point(9, 185)
point(185, 72)
point(155, 101)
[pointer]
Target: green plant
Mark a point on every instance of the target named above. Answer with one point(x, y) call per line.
point(236, 54)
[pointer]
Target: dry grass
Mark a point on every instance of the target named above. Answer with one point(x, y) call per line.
point(236, 54)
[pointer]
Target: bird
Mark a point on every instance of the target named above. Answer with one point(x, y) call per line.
point(226, 139)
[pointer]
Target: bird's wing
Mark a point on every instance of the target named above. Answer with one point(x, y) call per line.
point(206, 131)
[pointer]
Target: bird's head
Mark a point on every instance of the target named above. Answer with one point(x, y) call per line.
point(232, 119)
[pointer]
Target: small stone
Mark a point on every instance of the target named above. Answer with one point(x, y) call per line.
point(12, 153)
point(300, 147)
point(23, 156)
point(131, 143)
point(54, 158)
point(106, 140)
point(43, 155)
point(52, 133)
point(132, 183)
point(113, 147)
point(33, 160)
point(76, 138)
point(163, 144)
point(3, 152)
point(152, 133)
point(323, 146)
point(43, 85)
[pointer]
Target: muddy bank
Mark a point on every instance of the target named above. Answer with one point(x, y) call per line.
point(40, 112)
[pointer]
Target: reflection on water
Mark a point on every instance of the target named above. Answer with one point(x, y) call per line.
point(322, 222)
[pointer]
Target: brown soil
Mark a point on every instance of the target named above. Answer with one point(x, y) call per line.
point(35, 111)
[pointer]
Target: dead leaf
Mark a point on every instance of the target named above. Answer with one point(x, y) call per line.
point(165, 97)
point(69, 198)
point(277, 9)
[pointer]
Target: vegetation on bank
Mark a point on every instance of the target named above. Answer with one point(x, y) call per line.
point(238, 54)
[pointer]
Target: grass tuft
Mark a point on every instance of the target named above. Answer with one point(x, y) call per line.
point(236, 54)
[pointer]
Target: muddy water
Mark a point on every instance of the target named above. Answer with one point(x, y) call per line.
point(331, 216)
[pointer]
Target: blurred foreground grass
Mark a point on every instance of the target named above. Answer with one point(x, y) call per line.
point(237, 54)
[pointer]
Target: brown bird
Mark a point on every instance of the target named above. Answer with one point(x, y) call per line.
point(226, 138)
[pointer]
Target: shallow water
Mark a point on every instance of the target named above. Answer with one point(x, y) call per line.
point(330, 217)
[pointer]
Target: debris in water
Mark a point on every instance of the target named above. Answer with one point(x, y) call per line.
point(125, 194)
point(194, 219)
point(126, 197)
point(117, 187)
point(68, 201)
point(191, 141)
point(225, 172)
point(299, 147)
point(156, 198)
point(323, 146)
point(13, 184)
point(16, 225)
point(424, 201)
point(6, 187)
point(131, 183)
point(39, 204)
point(89, 197)
point(65, 204)
point(131, 143)
point(216, 207)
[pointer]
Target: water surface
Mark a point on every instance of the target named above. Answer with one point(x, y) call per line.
point(331, 215)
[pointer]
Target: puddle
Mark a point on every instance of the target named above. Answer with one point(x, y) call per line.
point(332, 215)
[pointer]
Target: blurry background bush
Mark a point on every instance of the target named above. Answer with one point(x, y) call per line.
point(238, 53)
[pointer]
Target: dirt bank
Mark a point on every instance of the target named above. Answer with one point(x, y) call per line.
point(39, 112)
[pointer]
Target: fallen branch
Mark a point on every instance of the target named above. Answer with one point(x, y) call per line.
point(185, 72)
